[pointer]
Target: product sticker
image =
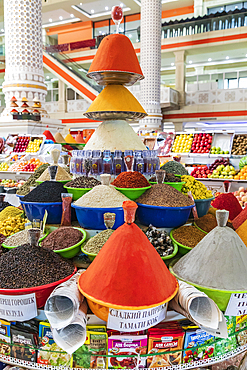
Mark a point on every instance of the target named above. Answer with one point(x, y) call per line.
point(134, 320)
point(18, 307)
point(237, 305)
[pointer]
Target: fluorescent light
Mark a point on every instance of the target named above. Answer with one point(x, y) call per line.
point(61, 18)
point(92, 11)
point(47, 77)
point(50, 19)
point(138, 2)
point(2, 30)
point(96, 15)
point(82, 70)
point(190, 61)
point(72, 15)
point(137, 40)
point(227, 57)
point(167, 1)
point(106, 8)
point(209, 59)
point(65, 21)
point(130, 36)
point(121, 5)
point(172, 64)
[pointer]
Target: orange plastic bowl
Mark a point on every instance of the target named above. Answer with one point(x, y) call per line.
point(42, 292)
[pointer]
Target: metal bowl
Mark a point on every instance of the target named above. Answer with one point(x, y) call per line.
point(104, 78)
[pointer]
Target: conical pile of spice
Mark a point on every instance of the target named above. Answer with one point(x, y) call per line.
point(228, 202)
point(219, 261)
point(129, 272)
point(61, 175)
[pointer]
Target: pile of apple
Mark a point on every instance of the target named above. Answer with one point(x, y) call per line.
point(200, 172)
point(201, 143)
point(21, 144)
point(223, 172)
point(241, 195)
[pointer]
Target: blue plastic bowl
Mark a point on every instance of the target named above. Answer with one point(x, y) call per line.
point(202, 206)
point(37, 210)
point(20, 196)
point(168, 217)
point(93, 218)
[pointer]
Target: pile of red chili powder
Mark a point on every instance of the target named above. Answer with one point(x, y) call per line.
point(228, 202)
point(130, 179)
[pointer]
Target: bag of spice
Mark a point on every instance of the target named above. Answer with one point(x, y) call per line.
point(24, 344)
point(4, 337)
point(196, 337)
point(66, 209)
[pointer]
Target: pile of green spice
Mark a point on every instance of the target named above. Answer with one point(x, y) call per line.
point(164, 195)
point(83, 182)
point(95, 243)
point(25, 188)
point(63, 237)
point(189, 236)
point(47, 192)
point(174, 167)
point(27, 266)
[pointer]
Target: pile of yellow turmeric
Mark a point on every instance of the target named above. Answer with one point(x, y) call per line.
point(11, 221)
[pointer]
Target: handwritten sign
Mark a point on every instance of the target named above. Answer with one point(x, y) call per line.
point(134, 320)
point(18, 307)
point(237, 305)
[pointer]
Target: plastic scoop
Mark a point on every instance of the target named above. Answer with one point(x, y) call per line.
point(55, 154)
point(65, 159)
point(129, 208)
point(34, 236)
point(53, 172)
point(160, 175)
point(109, 220)
point(105, 179)
point(222, 217)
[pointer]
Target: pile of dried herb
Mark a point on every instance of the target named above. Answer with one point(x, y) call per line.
point(25, 188)
point(95, 243)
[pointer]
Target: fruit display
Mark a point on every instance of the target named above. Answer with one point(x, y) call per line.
point(242, 174)
point(239, 145)
point(201, 143)
point(217, 162)
point(9, 183)
point(218, 150)
point(201, 172)
point(223, 172)
point(182, 143)
point(241, 195)
point(198, 190)
point(34, 145)
point(21, 144)
point(4, 166)
point(26, 166)
point(242, 162)
point(164, 143)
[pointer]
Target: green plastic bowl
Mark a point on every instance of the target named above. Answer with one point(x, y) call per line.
point(133, 193)
point(62, 181)
point(175, 185)
point(167, 258)
point(220, 297)
point(199, 228)
point(71, 251)
point(91, 256)
point(183, 249)
point(77, 192)
point(12, 247)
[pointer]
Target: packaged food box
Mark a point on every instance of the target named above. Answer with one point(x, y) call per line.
point(90, 354)
point(200, 339)
point(126, 345)
point(230, 344)
point(241, 323)
point(165, 340)
point(5, 338)
point(49, 353)
point(24, 344)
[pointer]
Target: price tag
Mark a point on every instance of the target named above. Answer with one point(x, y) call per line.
point(237, 305)
point(18, 307)
point(134, 320)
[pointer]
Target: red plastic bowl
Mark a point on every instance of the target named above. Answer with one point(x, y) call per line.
point(42, 292)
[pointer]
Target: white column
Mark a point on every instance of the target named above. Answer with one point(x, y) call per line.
point(24, 75)
point(180, 74)
point(198, 8)
point(62, 103)
point(151, 62)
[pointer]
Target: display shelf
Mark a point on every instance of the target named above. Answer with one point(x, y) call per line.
point(192, 365)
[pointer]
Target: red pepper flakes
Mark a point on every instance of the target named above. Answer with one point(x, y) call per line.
point(130, 180)
point(242, 216)
point(228, 202)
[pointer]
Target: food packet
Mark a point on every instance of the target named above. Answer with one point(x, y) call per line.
point(66, 209)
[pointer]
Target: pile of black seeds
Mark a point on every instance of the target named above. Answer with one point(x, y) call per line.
point(160, 240)
point(170, 177)
point(83, 182)
point(47, 192)
point(164, 195)
point(27, 266)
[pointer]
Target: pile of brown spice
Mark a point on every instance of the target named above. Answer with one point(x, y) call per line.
point(189, 236)
point(164, 196)
point(61, 238)
point(206, 223)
